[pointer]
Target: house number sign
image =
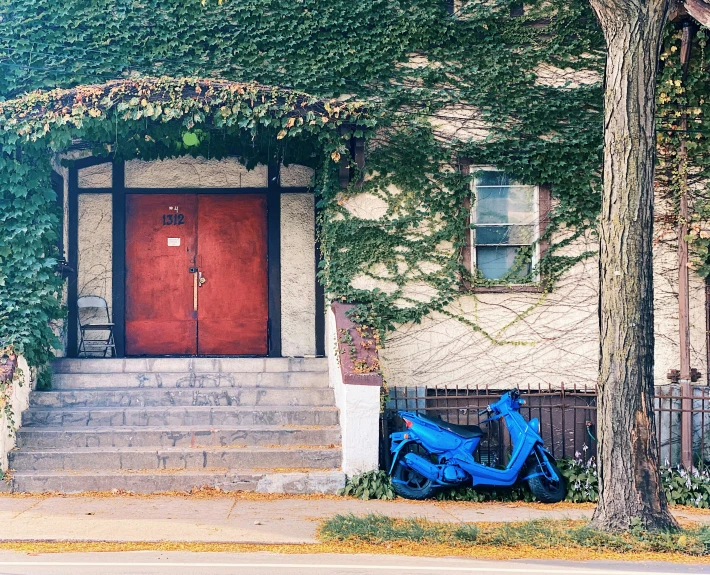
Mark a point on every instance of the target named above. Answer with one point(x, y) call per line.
point(173, 219)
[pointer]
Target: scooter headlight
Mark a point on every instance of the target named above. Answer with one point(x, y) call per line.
point(535, 425)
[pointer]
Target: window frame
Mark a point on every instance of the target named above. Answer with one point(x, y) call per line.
point(541, 218)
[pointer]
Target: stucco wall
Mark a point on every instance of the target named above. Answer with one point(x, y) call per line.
point(294, 176)
point(189, 172)
point(665, 264)
point(297, 275)
point(59, 326)
point(19, 401)
point(526, 338)
point(98, 176)
point(530, 339)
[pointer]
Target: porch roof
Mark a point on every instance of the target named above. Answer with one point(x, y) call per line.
point(190, 99)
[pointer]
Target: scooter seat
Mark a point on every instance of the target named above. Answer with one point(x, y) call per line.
point(465, 431)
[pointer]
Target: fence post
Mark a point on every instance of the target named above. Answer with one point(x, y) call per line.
point(686, 425)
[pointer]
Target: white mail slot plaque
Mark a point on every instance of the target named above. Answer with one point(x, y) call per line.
point(173, 242)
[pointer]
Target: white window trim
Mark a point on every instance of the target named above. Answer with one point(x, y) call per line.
point(536, 220)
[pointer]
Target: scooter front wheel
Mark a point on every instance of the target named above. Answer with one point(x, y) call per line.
point(546, 490)
point(409, 484)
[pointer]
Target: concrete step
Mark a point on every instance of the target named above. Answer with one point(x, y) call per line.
point(141, 458)
point(191, 364)
point(251, 396)
point(180, 416)
point(189, 380)
point(313, 481)
point(148, 436)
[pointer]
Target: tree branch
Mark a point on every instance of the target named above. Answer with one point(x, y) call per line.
point(698, 9)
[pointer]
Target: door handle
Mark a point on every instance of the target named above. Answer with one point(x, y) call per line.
point(195, 284)
point(200, 279)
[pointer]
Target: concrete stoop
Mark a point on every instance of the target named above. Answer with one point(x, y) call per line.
point(155, 425)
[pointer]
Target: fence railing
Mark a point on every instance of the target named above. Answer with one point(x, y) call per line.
point(567, 414)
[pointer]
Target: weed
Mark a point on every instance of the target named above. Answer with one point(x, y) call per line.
point(370, 485)
point(538, 534)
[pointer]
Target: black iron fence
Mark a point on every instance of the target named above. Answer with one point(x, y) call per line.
point(567, 414)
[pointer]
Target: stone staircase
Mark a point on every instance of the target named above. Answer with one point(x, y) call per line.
point(152, 425)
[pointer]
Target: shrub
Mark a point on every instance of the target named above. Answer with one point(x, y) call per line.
point(369, 485)
point(682, 487)
point(686, 487)
point(582, 480)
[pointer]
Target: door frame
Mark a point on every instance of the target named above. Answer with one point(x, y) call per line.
point(273, 192)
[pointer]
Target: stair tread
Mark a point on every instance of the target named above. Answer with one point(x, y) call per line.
point(258, 448)
point(175, 471)
point(176, 428)
point(201, 365)
point(156, 390)
point(192, 407)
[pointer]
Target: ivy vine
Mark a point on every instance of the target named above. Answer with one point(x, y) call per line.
point(484, 85)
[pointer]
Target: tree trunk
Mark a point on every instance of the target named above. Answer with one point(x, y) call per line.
point(629, 478)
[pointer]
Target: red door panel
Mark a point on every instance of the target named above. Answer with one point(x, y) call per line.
point(233, 301)
point(160, 315)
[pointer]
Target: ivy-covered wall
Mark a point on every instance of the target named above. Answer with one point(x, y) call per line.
point(485, 84)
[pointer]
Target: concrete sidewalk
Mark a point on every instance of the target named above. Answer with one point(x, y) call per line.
point(236, 519)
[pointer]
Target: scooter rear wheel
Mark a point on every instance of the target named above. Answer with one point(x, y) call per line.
point(408, 483)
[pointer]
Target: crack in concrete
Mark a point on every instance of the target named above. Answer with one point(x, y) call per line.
point(35, 504)
point(234, 504)
point(443, 508)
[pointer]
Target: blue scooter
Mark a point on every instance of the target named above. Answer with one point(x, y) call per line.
point(433, 453)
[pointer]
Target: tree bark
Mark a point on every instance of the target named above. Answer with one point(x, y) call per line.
point(629, 478)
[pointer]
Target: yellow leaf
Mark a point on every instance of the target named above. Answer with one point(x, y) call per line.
point(291, 122)
point(336, 156)
point(281, 135)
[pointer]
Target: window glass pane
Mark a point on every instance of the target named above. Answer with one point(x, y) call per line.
point(492, 205)
point(492, 178)
point(499, 201)
point(495, 235)
point(521, 204)
point(495, 262)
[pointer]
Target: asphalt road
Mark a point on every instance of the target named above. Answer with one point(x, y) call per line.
point(175, 563)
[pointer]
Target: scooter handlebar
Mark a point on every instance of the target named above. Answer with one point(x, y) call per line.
point(485, 411)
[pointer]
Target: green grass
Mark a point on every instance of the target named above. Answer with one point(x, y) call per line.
point(540, 534)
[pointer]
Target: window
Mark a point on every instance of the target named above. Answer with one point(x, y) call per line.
point(506, 222)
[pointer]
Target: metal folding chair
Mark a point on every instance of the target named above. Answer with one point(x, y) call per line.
point(96, 334)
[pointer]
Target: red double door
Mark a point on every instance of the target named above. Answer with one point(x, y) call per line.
point(196, 274)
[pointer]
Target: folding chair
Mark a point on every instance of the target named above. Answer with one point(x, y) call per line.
point(93, 308)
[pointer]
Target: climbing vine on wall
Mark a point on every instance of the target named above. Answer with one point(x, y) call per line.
point(679, 97)
point(484, 85)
